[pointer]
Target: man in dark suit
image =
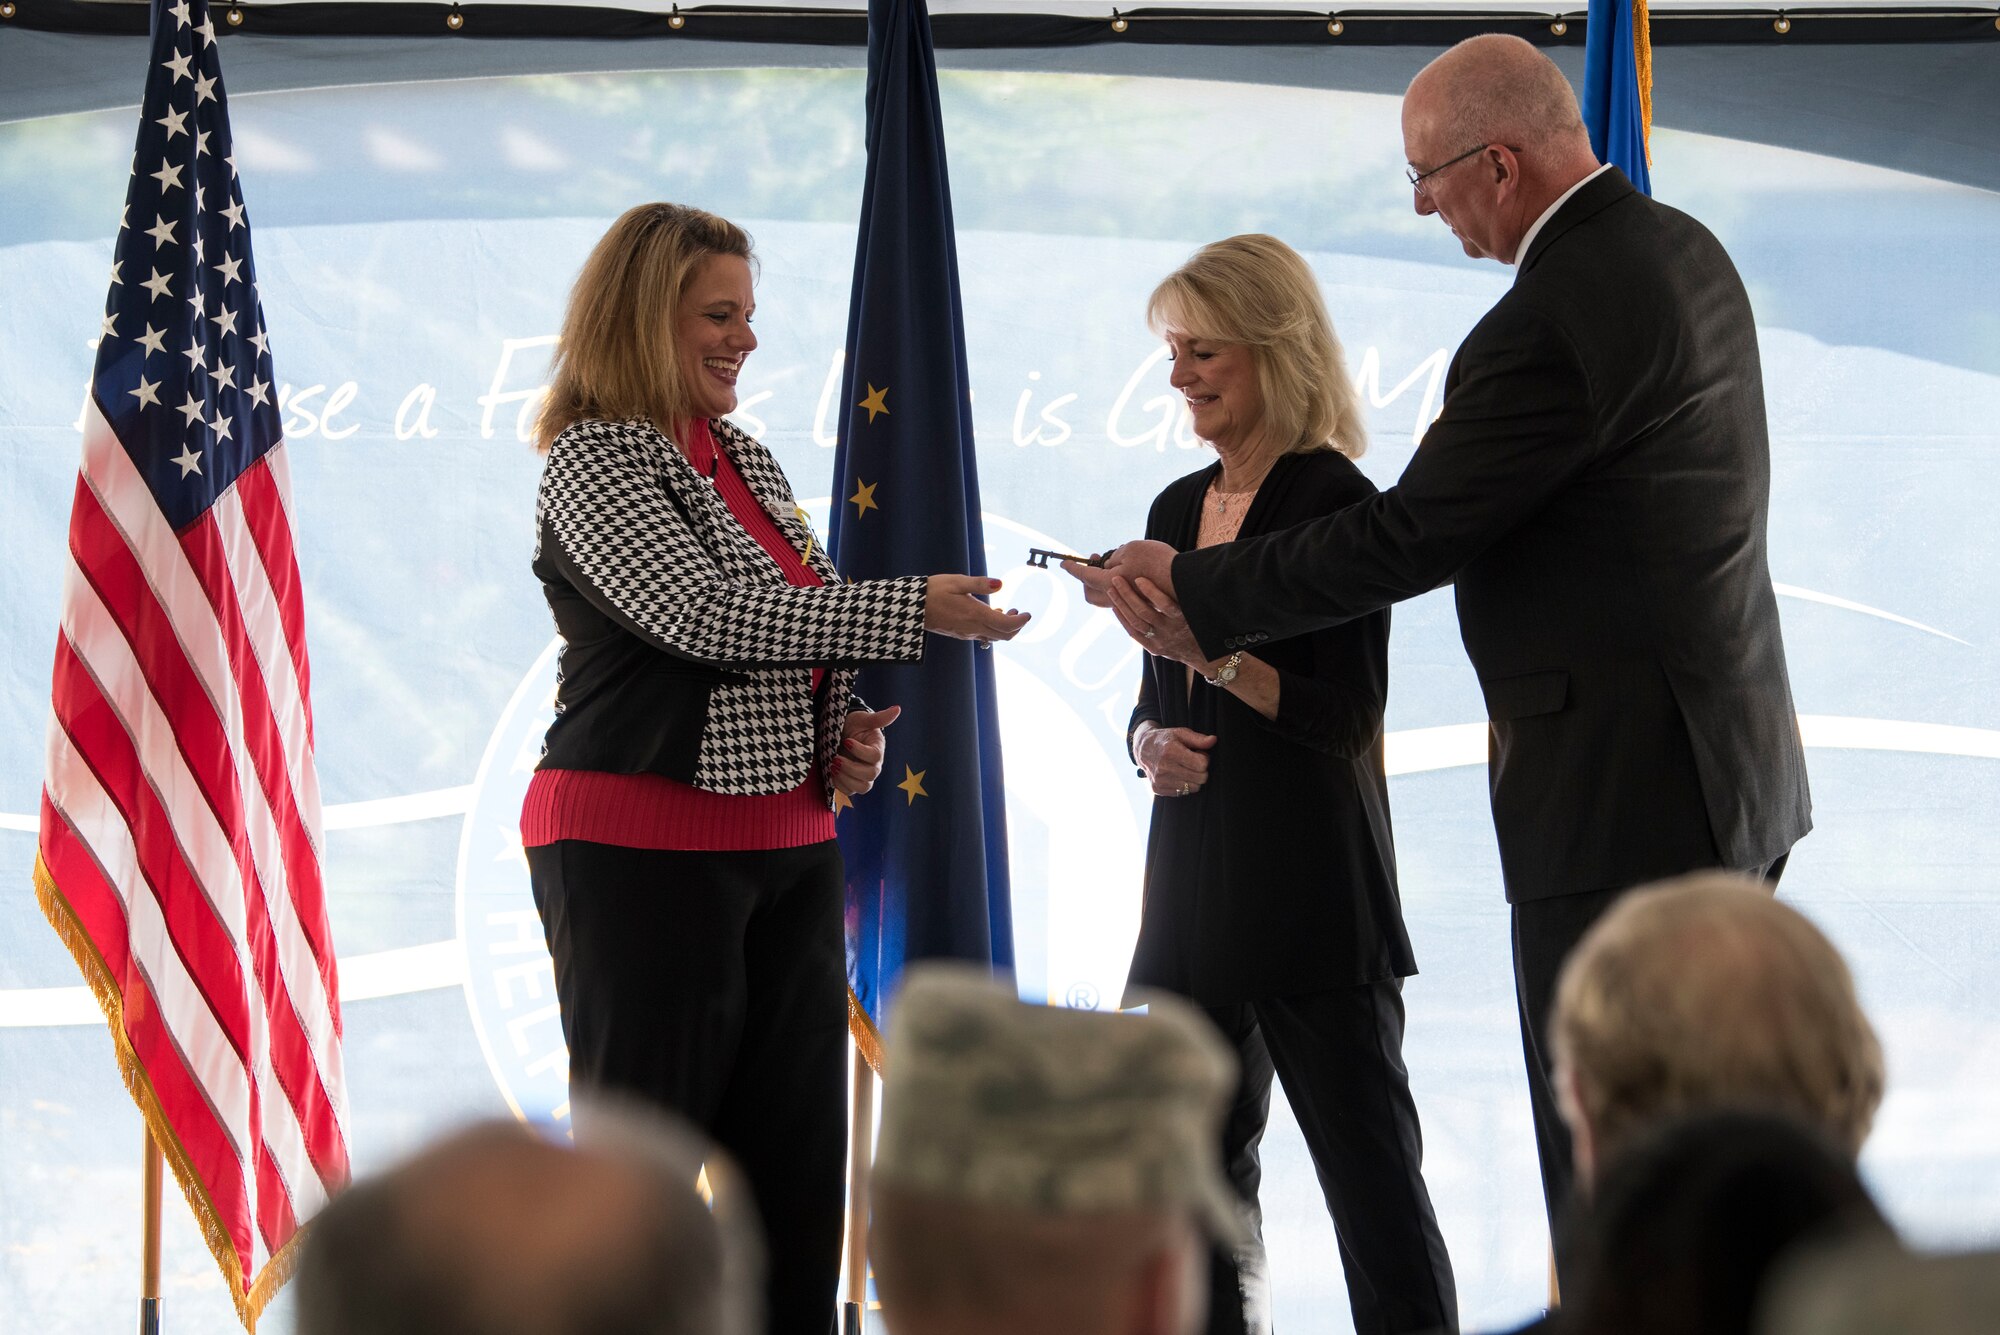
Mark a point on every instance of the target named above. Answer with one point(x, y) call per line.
point(1596, 486)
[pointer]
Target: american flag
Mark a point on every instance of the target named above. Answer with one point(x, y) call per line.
point(180, 820)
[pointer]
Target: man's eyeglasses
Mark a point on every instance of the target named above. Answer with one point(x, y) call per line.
point(1418, 178)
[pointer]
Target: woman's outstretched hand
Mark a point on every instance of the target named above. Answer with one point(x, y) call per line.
point(955, 605)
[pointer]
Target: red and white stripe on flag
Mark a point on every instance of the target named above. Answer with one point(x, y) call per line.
point(180, 822)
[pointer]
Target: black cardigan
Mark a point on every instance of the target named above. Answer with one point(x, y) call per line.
point(1278, 876)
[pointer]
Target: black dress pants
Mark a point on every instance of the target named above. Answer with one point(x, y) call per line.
point(1545, 932)
point(1339, 1055)
point(715, 984)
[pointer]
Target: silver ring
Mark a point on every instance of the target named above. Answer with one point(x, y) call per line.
point(1149, 632)
point(1185, 790)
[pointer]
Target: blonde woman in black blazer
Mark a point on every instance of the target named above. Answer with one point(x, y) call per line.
point(1271, 871)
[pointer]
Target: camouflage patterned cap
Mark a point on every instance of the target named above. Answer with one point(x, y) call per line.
point(991, 1101)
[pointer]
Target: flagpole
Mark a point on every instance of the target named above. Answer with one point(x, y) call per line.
point(149, 1265)
point(860, 1159)
point(149, 1172)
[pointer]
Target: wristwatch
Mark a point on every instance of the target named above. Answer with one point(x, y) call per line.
point(1227, 672)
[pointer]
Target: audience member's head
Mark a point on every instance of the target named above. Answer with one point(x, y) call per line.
point(1875, 1289)
point(498, 1231)
point(1706, 992)
point(1043, 1169)
point(1690, 1221)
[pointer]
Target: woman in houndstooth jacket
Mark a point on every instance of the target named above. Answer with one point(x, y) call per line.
point(679, 829)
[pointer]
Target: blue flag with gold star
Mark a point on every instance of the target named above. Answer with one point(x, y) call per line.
point(926, 851)
point(1618, 86)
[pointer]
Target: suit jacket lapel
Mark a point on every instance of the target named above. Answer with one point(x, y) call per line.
point(1586, 203)
point(767, 483)
point(697, 498)
point(716, 528)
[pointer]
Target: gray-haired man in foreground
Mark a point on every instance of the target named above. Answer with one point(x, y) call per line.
point(499, 1230)
point(1704, 992)
point(1044, 1169)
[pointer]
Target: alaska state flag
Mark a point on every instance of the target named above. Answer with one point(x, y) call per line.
point(1618, 86)
point(926, 850)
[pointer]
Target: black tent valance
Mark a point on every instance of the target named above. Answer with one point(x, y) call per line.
point(1025, 27)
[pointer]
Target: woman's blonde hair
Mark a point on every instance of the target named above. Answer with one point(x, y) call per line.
point(1257, 291)
point(618, 358)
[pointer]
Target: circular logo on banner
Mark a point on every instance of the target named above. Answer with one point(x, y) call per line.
point(1075, 826)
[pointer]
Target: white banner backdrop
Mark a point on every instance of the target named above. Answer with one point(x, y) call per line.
point(417, 243)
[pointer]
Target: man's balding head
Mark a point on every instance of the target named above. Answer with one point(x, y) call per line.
point(496, 1231)
point(1706, 992)
point(1499, 94)
point(1498, 88)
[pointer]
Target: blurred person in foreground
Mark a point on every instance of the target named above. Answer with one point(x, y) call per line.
point(679, 829)
point(1876, 1289)
point(1698, 995)
point(1704, 992)
point(500, 1231)
point(1597, 489)
point(1270, 889)
point(1043, 1169)
point(1690, 1223)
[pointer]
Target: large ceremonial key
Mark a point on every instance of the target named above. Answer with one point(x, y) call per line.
point(1039, 558)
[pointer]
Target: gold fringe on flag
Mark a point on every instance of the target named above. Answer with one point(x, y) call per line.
point(866, 1037)
point(1642, 61)
point(250, 1303)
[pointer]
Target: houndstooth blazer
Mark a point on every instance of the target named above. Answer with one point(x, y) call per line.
point(685, 651)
